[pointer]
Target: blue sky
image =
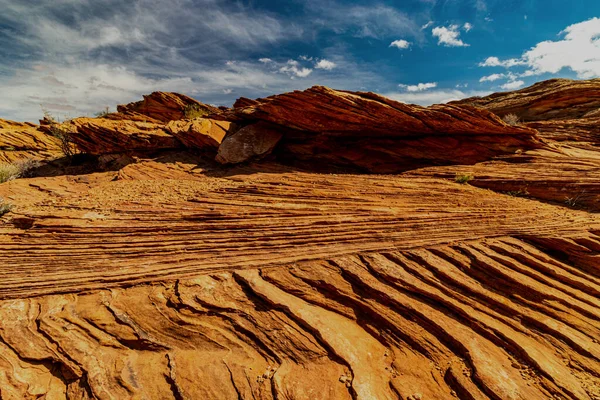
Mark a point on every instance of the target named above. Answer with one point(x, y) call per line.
point(76, 57)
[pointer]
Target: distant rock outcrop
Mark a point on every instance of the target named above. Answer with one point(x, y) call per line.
point(101, 136)
point(547, 100)
point(377, 134)
point(165, 107)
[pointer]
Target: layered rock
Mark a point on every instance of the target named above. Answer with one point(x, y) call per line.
point(547, 100)
point(100, 136)
point(166, 106)
point(377, 134)
point(19, 141)
point(199, 132)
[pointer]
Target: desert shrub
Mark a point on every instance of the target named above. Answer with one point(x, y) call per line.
point(19, 169)
point(511, 119)
point(463, 178)
point(8, 172)
point(518, 193)
point(65, 139)
point(103, 113)
point(4, 207)
point(26, 166)
point(192, 111)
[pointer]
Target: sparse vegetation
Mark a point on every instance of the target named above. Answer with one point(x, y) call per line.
point(20, 169)
point(8, 172)
point(463, 178)
point(192, 111)
point(574, 201)
point(511, 119)
point(518, 193)
point(4, 207)
point(65, 140)
point(103, 113)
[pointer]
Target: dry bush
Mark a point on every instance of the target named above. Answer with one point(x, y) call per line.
point(8, 172)
point(65, 139)
point(511, 119)
point(19, 169)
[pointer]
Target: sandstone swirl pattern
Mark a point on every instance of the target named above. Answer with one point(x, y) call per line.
point(164, 275)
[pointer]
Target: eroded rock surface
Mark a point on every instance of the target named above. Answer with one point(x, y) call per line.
point(20, 141)
point(165, 107)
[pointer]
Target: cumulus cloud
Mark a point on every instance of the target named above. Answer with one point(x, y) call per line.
point(492, 77)
point(325, 64)
point(265, 60)
point(495, 62)
point(512, 85)
point(579, 51)
point(467, 27)
point(293, 69)
point(419, 87)
point(434, 96)
point(400, 44)
point(448, 36)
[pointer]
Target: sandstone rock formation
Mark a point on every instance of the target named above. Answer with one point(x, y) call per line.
point(103, 136)
point(20, 141)
point(173, 277)
point(376, 134)
point(199, 132)
point(165, 107)
point(547, 100)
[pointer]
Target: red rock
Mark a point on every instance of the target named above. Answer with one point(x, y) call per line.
point(552, 99)
point(378, 134)
point(166, 106)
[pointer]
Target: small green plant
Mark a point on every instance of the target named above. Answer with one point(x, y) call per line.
point(192, 111)
point(463, 178)
point(8, 172)
point(4, 207)
point(511, 119)
point(103, 113)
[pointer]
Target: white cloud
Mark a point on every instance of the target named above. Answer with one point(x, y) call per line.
point(419, 87)
point(467, 27)
point(492, 78)
point(448, 36)
point(325, 64)
point(512, 85)
point(495, 62)
point(434, 96)
point(400, 44)
point(427, 25)
point(293, 69)
point(579, 51)
point(265, 60)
